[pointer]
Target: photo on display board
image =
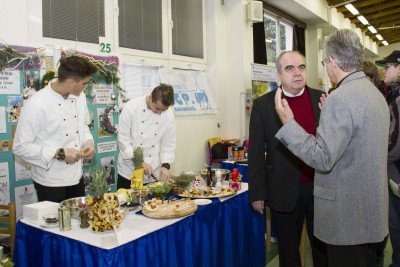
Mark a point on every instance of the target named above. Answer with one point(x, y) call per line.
point(100, 122)
point(108, 164)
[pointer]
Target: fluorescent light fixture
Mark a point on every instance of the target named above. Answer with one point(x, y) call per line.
point(268, 40)
point(372, 29)
point(363, 20)
point(352, 9)
point(379, 37)
point(385, 43)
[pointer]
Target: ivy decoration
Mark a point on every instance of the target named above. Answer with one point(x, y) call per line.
point(47, 77)
point(12, 59)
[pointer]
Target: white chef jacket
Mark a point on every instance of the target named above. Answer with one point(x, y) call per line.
point(155, 133)
point(48, 122)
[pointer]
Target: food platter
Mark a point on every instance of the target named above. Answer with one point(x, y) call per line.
point(173, 209)
point(207, 193)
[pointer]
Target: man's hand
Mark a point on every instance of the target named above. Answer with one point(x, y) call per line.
point(285, 113)
point(72, 155)
point(88, 150)
point(322, 100)
point(148, 170)
point(164, 174)
point(258, 206)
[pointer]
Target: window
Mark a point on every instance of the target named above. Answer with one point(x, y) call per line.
point(275, 43)
point(79, 20)
point(187, 30)
point(140, 25)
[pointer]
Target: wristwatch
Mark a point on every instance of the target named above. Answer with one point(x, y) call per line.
point(166, 165)
point(60, 154)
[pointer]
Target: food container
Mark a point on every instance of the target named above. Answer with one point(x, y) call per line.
point(77, 205)
point(140, 196)
point(159, 189)
point(64, 215)
point(224, 173)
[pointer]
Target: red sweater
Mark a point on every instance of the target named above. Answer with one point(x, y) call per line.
point(304, 115)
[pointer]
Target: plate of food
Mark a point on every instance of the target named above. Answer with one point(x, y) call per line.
point(158, 209)
point(207, 192)
point(202, 201)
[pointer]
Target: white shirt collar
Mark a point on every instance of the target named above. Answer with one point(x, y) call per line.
point(290, 95)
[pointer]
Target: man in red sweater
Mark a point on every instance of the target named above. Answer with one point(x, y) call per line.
point(280, 180)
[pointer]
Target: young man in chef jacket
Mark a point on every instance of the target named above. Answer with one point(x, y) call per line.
point(53, 134)
point(147, 122)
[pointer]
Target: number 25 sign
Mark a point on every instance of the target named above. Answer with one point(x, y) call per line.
point(105, 45)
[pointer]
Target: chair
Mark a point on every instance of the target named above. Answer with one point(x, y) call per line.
point(10, 218)
point(211, 142)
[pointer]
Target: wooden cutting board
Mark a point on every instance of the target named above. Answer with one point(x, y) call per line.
point(169, 210)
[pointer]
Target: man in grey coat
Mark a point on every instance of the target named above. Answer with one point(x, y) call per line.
point(349, 154)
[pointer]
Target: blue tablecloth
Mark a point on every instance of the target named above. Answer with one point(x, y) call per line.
point(225, 233)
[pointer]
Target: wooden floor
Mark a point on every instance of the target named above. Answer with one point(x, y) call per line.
point(273, 259)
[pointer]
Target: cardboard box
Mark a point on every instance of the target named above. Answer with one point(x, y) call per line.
point(34, 212)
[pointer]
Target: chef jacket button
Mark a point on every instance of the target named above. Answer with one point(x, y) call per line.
point(142, 121)
point(76, 145)
point(144, 110)
point(155, 134)
point(149, 156)
point(156, 122)
point(66, 135)
point(75, 116)
point(153, 145)
point(77, 131)
point(141, 133)
point(59, 104)
point(64, 119)
point(141, 144)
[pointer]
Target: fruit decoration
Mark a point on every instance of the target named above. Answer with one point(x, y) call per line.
point(138, 172)
point(104, 211)
point(235, 179)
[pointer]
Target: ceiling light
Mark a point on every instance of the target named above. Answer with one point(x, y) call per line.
point(379, 37)
point(372, 29)
point(385, 43)
point(352, 9)
point(363, 20)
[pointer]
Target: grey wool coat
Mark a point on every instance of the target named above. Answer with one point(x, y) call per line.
point(349, 154)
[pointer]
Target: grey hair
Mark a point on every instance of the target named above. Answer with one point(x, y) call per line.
point(346, 48)
point(278, 65)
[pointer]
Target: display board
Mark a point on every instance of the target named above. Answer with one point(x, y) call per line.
point(22, 71)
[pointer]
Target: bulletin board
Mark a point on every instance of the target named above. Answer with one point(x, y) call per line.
point(19, 80)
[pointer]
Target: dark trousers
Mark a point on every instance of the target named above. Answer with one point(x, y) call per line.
point(59, 193)
point(289, 226)
point(394, 228)
point(123, 182)
point(352, 256)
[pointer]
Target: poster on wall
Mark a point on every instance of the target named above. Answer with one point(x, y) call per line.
point(4, 183)
point(102, 93)
point(22, 169)
point(264, 79)
point(24, 195)
point(138, 80)
point(192, 96)
point(10, 82)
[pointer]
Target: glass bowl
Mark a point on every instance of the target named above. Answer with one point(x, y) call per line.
point(159, 189)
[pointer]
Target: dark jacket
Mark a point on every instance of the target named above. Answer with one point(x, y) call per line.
point(275, 179)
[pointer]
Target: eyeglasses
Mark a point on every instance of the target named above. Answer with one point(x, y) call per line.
point(388, 65)
point(323, 61)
